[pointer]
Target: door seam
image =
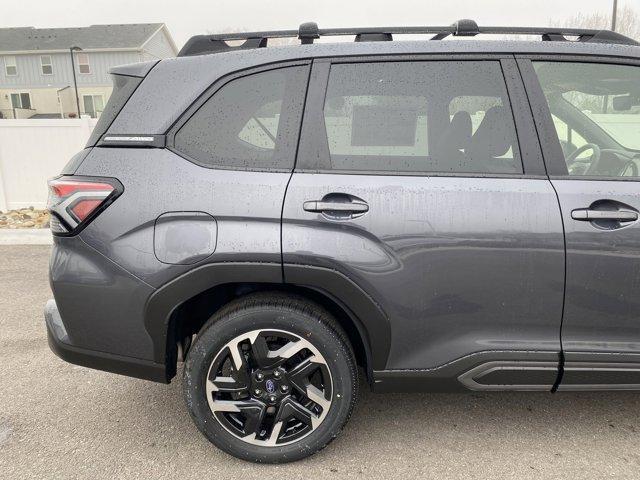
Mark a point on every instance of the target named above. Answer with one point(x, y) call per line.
point(295, 163)
point(561, 359)
point(564, 294)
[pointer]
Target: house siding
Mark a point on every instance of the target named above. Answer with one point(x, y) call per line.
point(30, 73)
point(48, 100)
point(158, 47)
point(54, 94)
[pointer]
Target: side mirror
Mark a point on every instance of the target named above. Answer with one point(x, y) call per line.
point(624, 103)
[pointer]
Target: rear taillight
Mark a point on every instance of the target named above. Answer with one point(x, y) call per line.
point(75, 201)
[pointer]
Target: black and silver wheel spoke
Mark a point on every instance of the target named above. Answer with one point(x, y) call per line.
point(269, 387)
point(318, 397)
point(260, 351)
point(299, 378)
point(291, 409)
point(299, 375)
point(252, 411)
point(236, 379)
point(226, 384)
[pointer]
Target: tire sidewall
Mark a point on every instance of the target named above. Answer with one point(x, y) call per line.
point(217, 334)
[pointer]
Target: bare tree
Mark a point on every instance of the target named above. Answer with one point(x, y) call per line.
point(272, 42)
point(628, 22)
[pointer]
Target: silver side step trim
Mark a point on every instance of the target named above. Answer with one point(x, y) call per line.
point(472, 378)
point(609, 367)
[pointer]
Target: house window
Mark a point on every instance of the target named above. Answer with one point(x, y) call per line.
point(21, 100)
point(83, 63)
point(93, 105)
point(46, 65)
point(10, 67)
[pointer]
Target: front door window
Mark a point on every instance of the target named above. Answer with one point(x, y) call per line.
point(596, 112)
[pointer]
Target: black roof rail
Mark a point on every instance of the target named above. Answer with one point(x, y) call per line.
point(308, 32)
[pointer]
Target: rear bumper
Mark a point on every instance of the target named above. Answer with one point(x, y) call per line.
point(61, 345)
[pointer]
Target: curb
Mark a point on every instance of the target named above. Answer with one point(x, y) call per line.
point(27, 236)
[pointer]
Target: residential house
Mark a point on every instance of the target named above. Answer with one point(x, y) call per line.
point(36, 70)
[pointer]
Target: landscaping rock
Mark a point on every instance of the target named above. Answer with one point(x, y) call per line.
point(25, 218)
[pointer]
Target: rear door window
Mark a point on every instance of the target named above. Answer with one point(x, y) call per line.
point(432, 116)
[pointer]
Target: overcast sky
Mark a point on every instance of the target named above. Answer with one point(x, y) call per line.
point(189, 17)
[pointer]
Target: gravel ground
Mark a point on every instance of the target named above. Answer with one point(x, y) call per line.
point(62, 421)
point(24, 218)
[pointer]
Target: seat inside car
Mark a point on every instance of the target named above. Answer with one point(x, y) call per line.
point(491, 140)
point(449, 151)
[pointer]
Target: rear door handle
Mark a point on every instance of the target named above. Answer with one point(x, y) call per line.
point(319, 206)
point(588, 215)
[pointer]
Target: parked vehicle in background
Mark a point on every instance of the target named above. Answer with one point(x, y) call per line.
point(445, 215)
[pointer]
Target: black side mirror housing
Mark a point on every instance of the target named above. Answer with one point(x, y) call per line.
point(624, 103)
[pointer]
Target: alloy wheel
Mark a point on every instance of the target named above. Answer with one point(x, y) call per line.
point(269, 387)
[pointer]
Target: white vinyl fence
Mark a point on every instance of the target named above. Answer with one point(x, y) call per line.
point(31, 152)
point(624, 128)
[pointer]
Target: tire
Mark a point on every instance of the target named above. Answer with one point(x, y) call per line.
point(310, 410)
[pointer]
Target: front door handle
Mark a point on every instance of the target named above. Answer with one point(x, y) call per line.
point(589, 215)
point(320, 206)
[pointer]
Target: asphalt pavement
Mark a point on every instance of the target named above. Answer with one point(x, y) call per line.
point(61, 421)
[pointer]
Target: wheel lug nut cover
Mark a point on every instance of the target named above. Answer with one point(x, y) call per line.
point(257, 392)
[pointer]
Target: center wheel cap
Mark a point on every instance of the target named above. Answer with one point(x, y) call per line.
point(270, 386)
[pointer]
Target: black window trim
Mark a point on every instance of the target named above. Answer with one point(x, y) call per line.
point(547, 133)
point(210, 92)
point(97, 140)
point(313, 145)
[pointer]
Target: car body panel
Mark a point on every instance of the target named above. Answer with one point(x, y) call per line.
point(458, 264)
point(99, 300)
point(600, 331)
point(246, 207)
point(602, 307)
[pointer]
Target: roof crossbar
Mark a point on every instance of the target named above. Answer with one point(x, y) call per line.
point(307, 33)
point(374, 37)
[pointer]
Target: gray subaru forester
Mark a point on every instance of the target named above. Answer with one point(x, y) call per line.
point(444, 215)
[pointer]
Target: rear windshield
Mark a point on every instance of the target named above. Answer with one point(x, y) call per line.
point(123, 88)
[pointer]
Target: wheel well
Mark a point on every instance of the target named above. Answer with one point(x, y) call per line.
point(189, 317)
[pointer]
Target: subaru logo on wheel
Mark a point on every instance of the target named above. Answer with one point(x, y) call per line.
point(270, 386)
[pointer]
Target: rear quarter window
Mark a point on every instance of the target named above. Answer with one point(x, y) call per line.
point(250, 123)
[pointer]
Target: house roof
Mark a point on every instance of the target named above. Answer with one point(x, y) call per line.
point(93, 37)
